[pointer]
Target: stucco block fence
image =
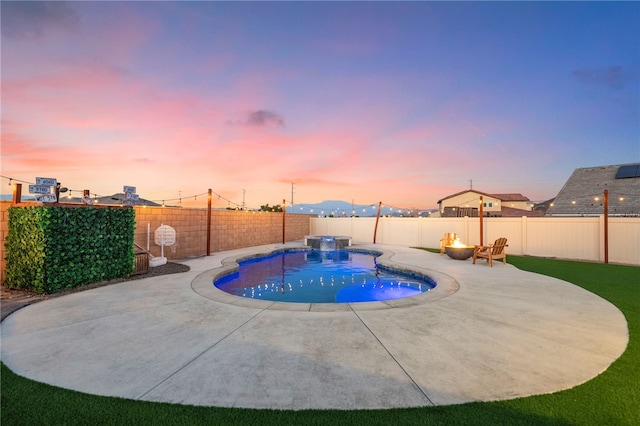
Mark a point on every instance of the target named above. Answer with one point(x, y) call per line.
point(575, 238)
point(230, 229)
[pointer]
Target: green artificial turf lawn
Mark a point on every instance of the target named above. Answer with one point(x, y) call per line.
point(613, 398)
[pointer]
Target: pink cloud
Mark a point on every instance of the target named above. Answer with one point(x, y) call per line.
point(137, 131)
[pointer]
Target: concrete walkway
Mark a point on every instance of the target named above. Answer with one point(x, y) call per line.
point(483, 334)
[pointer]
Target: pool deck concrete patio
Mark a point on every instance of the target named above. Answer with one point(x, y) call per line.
point(483, 334)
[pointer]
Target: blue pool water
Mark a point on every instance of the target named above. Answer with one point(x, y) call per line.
point(314, 276)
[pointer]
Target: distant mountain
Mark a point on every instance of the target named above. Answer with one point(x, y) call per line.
point(335, 208)
point(339, 208)
point(9, 197)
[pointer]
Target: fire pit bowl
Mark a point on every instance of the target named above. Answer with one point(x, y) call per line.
point(459, 252)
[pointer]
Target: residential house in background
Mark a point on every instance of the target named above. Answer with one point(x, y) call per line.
point(583, 193)
point(111, 200)
point(120, 197)
point(467, 203)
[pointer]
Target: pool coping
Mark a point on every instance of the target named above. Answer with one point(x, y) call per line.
point(202, 284)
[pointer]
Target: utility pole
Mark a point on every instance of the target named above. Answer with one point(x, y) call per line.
point(284, 218)
point(471, 184)
point(292, 196)
point(243, 204)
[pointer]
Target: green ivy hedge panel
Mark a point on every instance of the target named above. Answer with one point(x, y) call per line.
point(53, 248)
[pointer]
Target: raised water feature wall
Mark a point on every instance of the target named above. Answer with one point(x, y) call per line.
point(327, 242)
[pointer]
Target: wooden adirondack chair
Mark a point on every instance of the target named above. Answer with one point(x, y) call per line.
point(491, 252)
point(448, 239)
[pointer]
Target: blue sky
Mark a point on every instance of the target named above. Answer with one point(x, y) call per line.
point(400, 102)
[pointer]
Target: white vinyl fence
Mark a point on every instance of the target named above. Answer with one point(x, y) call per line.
point(577, 238)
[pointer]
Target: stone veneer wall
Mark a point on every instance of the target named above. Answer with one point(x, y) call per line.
point(230, 229)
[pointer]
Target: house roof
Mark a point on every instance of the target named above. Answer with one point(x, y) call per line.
point(583, 193)
point(512, 212)
point(510, 197)
point(501, 197)
point(504, 212)
point(118, 198)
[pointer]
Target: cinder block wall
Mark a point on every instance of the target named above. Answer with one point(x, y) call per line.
point(230, 229)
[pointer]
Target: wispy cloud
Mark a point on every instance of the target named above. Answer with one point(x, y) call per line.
point(32, 19)
point(259, 118)
point(614, 77)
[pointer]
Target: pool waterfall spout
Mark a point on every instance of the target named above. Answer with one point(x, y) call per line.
point(326, 243)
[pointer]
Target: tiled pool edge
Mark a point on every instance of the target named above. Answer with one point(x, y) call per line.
point(202, 284)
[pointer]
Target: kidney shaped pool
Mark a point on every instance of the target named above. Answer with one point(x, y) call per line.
point(316, 276)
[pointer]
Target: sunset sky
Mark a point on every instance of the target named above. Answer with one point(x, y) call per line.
point(398, 102)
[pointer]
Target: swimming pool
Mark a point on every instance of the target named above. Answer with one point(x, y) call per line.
point(314, 276)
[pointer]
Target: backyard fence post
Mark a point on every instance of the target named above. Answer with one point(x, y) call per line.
point(606, 226)
point(375, 231)
point(17, 193)
point(481, 222)
point(209, 223)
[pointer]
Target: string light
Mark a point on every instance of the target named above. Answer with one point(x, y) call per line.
point(13, 181)
point(390, 210)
